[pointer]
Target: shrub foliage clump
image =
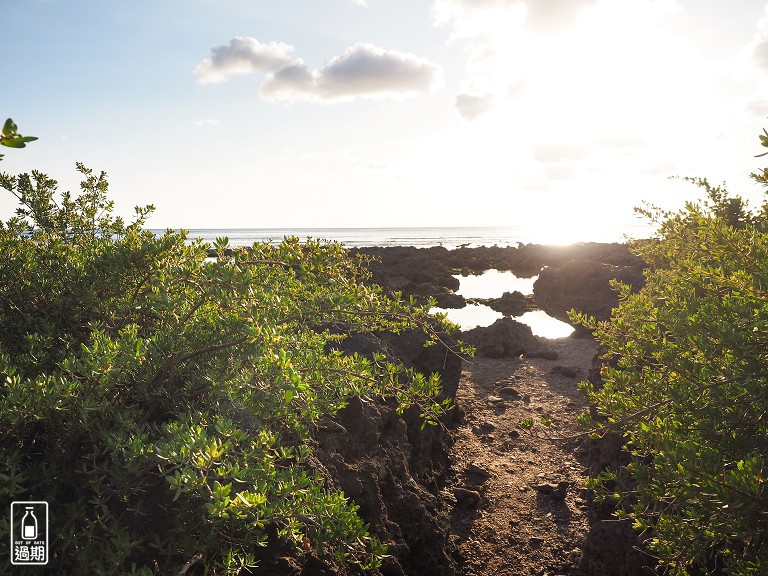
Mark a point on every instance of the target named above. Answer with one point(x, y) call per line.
point(686, 381)
point(162, 401)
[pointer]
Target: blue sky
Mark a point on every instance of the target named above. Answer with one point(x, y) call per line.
point(230, 113)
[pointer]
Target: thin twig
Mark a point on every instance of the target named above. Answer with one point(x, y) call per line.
point(192, 561)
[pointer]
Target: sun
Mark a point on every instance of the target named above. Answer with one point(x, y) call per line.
point(558, 228)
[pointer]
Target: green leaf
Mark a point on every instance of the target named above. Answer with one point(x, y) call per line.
point(9, 128)
point(17, 142)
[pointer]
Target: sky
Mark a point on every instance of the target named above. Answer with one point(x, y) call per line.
point(356, 113)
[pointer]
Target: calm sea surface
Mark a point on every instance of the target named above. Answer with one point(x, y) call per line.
point(425, 237)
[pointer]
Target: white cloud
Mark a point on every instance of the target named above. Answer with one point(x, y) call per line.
point(553, 15)
point(473, 18)
point(478, 17)
point(243, 55)
point(516, 43)
point(759, 44)
point(760, 54)
point(295, 78)
point(363, 3)
point(472, 106)
point(363, 70)
point(488, 17)
point(749, 69)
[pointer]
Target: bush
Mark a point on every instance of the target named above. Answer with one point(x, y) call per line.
point(686, 381)
point(163, 402)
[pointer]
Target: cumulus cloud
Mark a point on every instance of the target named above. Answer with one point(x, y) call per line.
point(474, 17)
point(243, 55)
point(363, 70)
point(295, 78)
point(471, 17)
point(760, 53)
point(758, 45)
point(472, 106)
point(750, 67)
point(363, 3)
point(553, 15)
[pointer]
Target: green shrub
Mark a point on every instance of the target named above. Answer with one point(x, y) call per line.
point(163, 402)
point(686, 381)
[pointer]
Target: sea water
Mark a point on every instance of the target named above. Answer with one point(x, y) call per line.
point(492, 284)
point(449, 237)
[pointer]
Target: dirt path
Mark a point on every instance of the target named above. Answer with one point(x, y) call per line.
point(520, 505)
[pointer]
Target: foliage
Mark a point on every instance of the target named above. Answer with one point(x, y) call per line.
point(686, 380)
point(11, 138)
point(162, 401)
point(763, 142)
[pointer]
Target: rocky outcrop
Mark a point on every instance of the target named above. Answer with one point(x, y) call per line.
point(583, 285)
point(506, 338)
point(509, 303)
point(429, 272)
point(526, 260)
point(420, 272)
point(450, 300)
point(392, 468)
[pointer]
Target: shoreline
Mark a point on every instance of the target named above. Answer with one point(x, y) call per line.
point(427, 237)
point(520, 259)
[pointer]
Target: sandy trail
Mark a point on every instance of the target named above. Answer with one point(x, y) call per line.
point(520, 504)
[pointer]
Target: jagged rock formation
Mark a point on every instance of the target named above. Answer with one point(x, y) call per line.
point(583, 285)
point(505, 338)
point(391, 467)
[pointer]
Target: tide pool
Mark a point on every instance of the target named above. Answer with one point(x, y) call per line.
point(492, 284)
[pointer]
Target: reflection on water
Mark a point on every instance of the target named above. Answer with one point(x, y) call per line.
point(492, 284)
point(471, 316)
point(542, 324)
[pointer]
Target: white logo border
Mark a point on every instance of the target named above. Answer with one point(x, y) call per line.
point(29, 503)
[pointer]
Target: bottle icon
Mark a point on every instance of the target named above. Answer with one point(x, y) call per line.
point(29, 525)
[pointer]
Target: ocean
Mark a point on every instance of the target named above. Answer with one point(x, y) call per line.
point(452, 237)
